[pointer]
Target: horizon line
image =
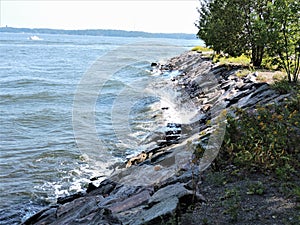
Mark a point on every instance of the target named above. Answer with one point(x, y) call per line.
point(93, 29)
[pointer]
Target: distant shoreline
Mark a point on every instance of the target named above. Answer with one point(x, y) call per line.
point(98, 32)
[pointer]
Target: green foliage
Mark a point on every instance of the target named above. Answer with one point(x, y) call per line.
point(232, 203)
point(260, 27)
point(282, 86)
point(266, 139)
point(256, 188)
point(270, 63)
point(218, 25)
point(205, 221)
point(201, 49)
point(284, 171)
point(224, 60)
point(217, 179)
point(199, 151)
point(230, 193)
point(284, 33)
point(286, 187)
point(234, 27)
point(296, 192)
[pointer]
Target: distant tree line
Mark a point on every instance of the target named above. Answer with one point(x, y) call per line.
point(99, 32)
point(261, 28)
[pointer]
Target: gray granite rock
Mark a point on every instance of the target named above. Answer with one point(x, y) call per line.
point(157, 213)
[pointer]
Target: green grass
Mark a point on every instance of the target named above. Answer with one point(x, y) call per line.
point(201, 49)
point(241, 60)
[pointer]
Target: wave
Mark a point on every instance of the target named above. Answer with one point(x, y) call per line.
point(23, 80)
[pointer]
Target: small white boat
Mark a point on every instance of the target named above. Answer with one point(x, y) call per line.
point(35, 38)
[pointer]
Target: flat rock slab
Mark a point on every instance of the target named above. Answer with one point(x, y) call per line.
point(157, 212)
point(175, 190)
point(131, 202)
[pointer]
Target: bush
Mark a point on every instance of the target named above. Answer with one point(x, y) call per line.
point(284, 86)
point(265, 139)
point(271, 63)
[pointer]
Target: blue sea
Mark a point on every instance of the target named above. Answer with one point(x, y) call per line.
point(64, 100)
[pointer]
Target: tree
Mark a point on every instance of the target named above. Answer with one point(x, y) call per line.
point(220, 26)
point(234, 26)
point(256, 28)
point(253, 26)
point(285, 35)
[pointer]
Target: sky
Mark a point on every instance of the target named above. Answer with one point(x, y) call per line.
point(167, 16)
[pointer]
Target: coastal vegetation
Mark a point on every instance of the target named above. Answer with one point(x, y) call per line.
point(265, 139)
point(263, 29)
point(260, 36)
point(242, 60)
point(259, 158)
point(201, 49)
point(258, 162)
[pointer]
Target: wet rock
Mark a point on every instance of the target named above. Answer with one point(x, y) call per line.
point(105, 188)
point(69, 198)
point(183, 178)
point(48, 214)
point(174, 125)
point(173, 131)
point(219, 69)
point(125, 191)
point(120, 194)
point(226, 85)
point(79, 211)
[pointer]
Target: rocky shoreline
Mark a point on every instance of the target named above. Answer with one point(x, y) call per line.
point(160, 184)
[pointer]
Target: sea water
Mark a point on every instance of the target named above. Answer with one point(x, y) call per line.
point(39, 155)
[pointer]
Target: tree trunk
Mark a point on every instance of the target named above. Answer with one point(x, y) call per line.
point(257, 55)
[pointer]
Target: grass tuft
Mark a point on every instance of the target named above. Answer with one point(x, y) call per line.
point(201, 49)
point(241, 60)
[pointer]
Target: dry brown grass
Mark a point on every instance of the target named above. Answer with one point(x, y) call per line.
point(270, 76)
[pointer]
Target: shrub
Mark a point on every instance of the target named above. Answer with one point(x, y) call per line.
point(265, 139)
point(271, 63)
point(283, 86)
